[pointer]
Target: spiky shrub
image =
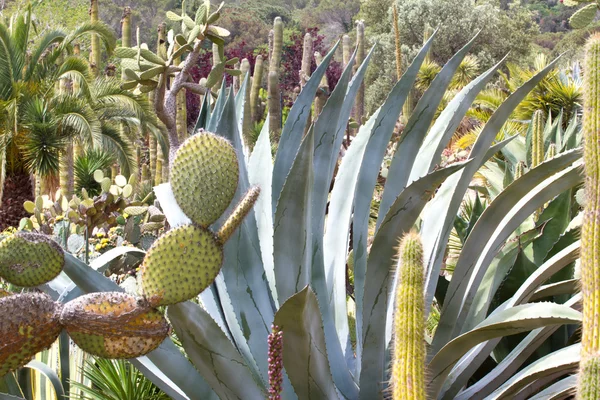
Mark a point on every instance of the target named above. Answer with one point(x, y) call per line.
point(408, 359)
point(589, 376)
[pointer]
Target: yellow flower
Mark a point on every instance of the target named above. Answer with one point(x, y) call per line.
point(104, 241)
point(100, 234)
point(104, 245)
point(98, 247)
point(125, 215)
point(59, 218)
point(113, 229)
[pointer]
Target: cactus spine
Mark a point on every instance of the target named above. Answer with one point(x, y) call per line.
point(537, 139)
point(408, 360)
point(359, 107)
point(95, 53)
point(589, 375)
point(274, 92)
point(254, 92)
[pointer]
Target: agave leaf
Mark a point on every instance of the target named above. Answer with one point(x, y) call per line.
point(260, 173)
point(511, 363)
point(212, 353)
point(292, 244)
point(181, 375)
point(410, 143)
point(215, 116)
point(112, 256)
point(292, 132)
point(569, 286)
point(50, 374)
point(439, 217)
point(570, 138)
point(326, 151)
point(515, 199)
point(4, 396)
point(562, 389)
point(382, 124)
point(399, 220)
point(511, 321)
point(522, 295)
point(243, 269)
point(563, 361)
point(204, 115)
point(304, 351)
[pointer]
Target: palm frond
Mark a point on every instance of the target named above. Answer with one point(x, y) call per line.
point(112, 142)
point(100, 29)
point(85, 166)
point(44, 46)
point(77, 118)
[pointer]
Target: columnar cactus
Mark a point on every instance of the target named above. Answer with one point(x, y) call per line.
point(397, 42)
point(247, 125)
point(359, 107)
point(274, 92)
point(537, 138)
point(551, 151)
point(275, 360)
point(346, 50)
point(519, 170)
point(255, 106)
point(307, 53)
point(95, 52)
point(181, 119)
point(323, 91)
point(589, 375)
point(408, 359)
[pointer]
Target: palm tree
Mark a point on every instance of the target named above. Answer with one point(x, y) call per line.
point(28, 74)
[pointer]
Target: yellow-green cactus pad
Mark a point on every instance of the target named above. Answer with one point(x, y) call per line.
point(204, 177)
point(114, 325)
point(30, 259)
point(29, 324)
point(180, 265)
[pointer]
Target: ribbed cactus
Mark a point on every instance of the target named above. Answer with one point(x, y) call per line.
point(359, 106)
point(254, 92)
point(323, 91)
point(519, 170)
point(408, 359)
point(126, 27)
point(274, 92)
point(397, 42)
point(551, 153)
point(346, 49)
point(307, 54)
point(537, 138)
point(247, 125)
point(427, 32)
point(589, 375)
point(95, 52)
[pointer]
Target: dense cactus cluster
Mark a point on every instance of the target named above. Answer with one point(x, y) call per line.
point(179, 265)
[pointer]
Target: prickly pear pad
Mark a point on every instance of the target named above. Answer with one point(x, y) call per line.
point(204, 177)
point(180, 265)
point(29, 324)
point(114, 325)
point(30, 259)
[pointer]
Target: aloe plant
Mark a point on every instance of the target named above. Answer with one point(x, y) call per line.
point(286, 265)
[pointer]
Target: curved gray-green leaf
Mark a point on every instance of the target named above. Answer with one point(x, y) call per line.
point(304, 352)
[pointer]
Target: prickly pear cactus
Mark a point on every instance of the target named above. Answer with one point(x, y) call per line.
point(30, 259)
point(589, 375)
point(204, 177)
point(180, 265)
point(29, 324)
point(114, 325)
point(408, 362)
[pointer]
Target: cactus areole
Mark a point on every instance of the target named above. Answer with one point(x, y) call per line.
point(589, 376)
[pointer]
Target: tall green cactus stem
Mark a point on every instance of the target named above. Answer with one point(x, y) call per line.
point(152, 154)
point(551, 151)
point(247, 124)
point(359, 107)
point(126, 27)
point(537, 138)
point(427, 32)
point(95, 53)
point(397, 42)
point(274, 92)
point(323, 91)
point(66, 162)
point(408, 360)
point(159, 167)
point(307, 54)
point(275, 360)
point(519, 170)
point(589, 374)
point(236, 79)
point(181, 118)
point(145, 173)
point(254, 92)
point(346, 50)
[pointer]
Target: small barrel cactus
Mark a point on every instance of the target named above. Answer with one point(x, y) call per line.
point(408, 358)
point(589, 375)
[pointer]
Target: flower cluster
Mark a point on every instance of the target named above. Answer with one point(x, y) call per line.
point(275, 363)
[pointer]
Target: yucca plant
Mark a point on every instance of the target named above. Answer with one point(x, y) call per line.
point(286, 266)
